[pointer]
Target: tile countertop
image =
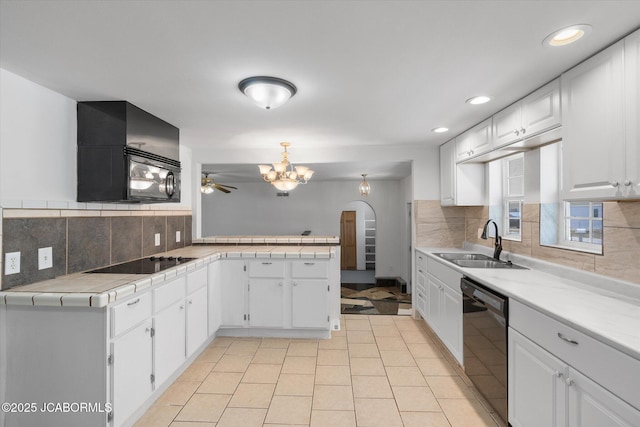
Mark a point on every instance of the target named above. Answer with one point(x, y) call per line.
point(609, 312)
point(99, 289)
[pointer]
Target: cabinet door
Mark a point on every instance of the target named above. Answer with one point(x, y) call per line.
point(447, 173)
point(214, 296)
point(132, 369)
point(632, 91)
point(593, 146)
point(591, 405)
point(541, 110)
point(421, 293)
point(232, 286)
point(310, 303)
point(537, 392)
point(434, 303)
point(507, 125)
point(266, 303)
point(452, 322)
point(169, 341)
point(475, 141)
point(196, 320)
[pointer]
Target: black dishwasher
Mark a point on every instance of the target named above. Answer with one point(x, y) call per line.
point(485, 320)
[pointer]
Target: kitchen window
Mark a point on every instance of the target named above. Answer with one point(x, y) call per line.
point(576, 226)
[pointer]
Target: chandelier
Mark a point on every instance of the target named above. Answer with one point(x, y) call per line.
point(282, 175)
point(364, 186)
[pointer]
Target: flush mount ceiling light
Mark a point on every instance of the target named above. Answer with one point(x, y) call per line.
point(477, 100)
point(267, 92)
point(440, 130)
point(567, 35)
point(364, 187)
point(283, 176)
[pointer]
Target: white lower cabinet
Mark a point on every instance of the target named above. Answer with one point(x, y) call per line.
point(266, 302)
point(214, 297)
point(310, 303)
point(545, 390)
point(169, 341)
point(439, 301)
point(131, 371)
point(233, 284)
point(197, 320)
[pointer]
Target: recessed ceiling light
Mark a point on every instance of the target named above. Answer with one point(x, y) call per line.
point(477, 100)
point(439, 130)
point(567, 35)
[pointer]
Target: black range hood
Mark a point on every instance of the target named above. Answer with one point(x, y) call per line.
point(126, 155)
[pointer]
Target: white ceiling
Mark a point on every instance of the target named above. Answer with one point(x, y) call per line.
point(368, 72)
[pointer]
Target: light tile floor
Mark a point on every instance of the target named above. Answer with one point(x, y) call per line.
point(377, 371)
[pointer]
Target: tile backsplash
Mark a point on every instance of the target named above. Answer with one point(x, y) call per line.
point(87, 240)
point(439, 226)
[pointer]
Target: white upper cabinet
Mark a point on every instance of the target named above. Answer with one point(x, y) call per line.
point(475, 141)
point(600, 100)
point(632, 107)
point(460, 184)
point(535, 113)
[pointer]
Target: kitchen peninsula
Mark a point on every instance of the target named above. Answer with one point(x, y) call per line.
point(122, 339)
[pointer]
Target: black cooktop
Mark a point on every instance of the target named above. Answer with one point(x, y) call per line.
point(149, 265)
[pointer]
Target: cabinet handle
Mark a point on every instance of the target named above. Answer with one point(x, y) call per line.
point(471, 152)
point(309, 263)
point(190, 301)
point(523, 130)
point(420, 271)
point(134, 302)
point(569, 382)
point(570, 341)
point(182, 307)
point(558, 374)
point(266, 263)
point(294, 283)
point(627, 183)
point(614, 183)
point(516, 131)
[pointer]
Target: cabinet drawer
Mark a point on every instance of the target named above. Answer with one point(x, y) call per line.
point(421, 261)
point(196, 280)
point(266, 268)
point(421, 284)
point(169, 293)
point(310, 269)
point(129, 313)
point(446, 275)
point(612, 369)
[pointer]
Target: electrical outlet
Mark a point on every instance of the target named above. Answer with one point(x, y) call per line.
point(45, 258)
point(11, 263)
point(157, 239)
point(177, 236)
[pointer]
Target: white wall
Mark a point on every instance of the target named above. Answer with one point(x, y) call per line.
point(37, 141)
point(255, 209)
point(38, 129)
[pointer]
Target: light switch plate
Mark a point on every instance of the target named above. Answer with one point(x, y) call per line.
point(45, 258)
point(177, 236)
point(11, 263)
point(157, 239)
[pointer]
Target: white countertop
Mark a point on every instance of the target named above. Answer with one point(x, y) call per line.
point(609, 312)
point(99, 289)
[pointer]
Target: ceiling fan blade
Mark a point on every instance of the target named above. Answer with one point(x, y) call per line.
point(227, 186)
point(224, 190)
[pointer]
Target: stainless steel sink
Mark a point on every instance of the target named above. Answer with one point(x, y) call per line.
point(462, 256)
point(486, 263)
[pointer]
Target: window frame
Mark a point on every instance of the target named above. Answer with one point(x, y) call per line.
point(509, 197)
point(565, 218)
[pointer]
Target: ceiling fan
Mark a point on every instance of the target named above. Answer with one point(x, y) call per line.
point(207, 185)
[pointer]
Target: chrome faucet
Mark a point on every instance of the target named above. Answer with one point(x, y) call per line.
point(498, 245)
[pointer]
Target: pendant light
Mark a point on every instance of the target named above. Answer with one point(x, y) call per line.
point(267, 92)
point(364, 186)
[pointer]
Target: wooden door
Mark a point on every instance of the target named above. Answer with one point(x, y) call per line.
point(348, 259)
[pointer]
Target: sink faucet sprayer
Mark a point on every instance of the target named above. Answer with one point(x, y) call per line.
point(498, 245)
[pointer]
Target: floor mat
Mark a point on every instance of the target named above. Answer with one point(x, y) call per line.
point(371, 299)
